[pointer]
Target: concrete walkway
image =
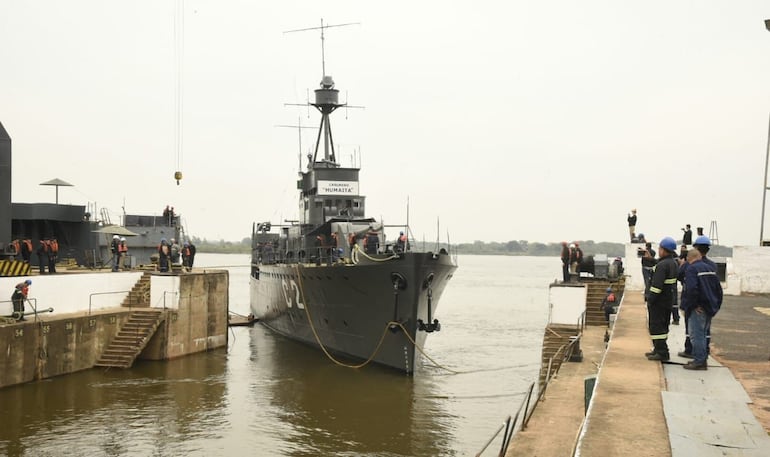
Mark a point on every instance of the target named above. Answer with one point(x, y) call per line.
point(639, 407)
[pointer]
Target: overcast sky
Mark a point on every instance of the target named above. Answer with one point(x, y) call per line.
point(535, 120)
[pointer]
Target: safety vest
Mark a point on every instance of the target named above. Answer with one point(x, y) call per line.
point(28, 243)
point(16, 246)
point(43, 245)
point(54, 246)
point(122, 248)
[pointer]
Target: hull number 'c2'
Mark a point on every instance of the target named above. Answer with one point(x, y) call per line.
point(287, 292)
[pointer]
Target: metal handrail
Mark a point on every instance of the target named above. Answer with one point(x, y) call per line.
point(566, 349)
point(32, 302)
point(165, 292)
point(91, 296)
point(506, 425)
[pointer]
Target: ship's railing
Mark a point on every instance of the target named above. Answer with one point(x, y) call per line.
point(565, 351)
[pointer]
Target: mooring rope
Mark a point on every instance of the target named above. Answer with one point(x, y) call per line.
point(379, 343)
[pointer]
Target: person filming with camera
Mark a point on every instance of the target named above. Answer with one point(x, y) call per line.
point(647, 254)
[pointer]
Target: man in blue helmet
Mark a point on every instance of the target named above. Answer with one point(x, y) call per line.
point(661, 297)
point(702, 299)
point(702, 244)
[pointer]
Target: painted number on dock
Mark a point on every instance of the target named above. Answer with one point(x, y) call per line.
point(291, 289)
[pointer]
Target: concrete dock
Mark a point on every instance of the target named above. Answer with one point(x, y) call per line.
point(645, 408)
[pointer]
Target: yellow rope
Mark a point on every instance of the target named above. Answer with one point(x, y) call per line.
point(379, 344)
point(373, 259)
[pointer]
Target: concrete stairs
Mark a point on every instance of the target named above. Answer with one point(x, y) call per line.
point(139, 296)
point(131, 339)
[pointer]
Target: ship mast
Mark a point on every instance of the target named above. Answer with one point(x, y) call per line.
point(326, 101)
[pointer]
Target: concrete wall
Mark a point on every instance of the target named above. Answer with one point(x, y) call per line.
point(566, 303)
point(751, 267)
point(197, 316)
point(52, 347)
point(196, 320)
point(71, 292)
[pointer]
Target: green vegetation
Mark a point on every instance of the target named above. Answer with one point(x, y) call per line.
point(222, 246)
point(521, 247)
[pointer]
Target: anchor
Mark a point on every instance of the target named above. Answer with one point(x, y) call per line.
point(399, 283)
point(434, 326)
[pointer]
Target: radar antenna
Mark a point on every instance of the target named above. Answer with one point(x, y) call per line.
point(326, 101)
point(322, 28)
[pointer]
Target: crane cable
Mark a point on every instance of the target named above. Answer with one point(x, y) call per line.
point(179, 89)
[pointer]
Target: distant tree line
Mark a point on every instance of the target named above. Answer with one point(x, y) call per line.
point(513, 247)
point(222, 246)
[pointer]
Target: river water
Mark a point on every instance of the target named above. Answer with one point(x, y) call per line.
point(267, 396)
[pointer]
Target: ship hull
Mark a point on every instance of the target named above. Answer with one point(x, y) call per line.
point(349, 310)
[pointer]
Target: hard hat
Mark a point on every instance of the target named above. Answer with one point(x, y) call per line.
point(572, 245)
point(641, 235)
point(162, 240)
point(609, 289)
point(401, 233)
point(28, 282)
point(122, 238)
point(115, 237)
point(702, 240)
point(668, 244)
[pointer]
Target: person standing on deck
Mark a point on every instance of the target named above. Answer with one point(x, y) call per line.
point(700, 302)
point(702, 244)
point(632, 224)
point(564, 261)
point(42, 255)
point(115, 250)
point(648, 264)
point(662, 288)
point(122, 252)
point(53, 254)
point(687, 237)
point(164, 256)
point(18, 297)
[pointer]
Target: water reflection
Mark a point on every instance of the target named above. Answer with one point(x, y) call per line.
point(147, 409)
point(329, 409)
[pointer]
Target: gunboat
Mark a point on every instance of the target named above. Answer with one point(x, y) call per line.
point(331, 279)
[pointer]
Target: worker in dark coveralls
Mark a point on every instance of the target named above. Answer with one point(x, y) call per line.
point(164, 255)
point(700, 302)
point(564, 261)
point(662, 290)
point(42, 255)
point(702, 244)
point(18, 298)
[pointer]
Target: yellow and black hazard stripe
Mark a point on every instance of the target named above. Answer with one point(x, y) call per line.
point(14, 268)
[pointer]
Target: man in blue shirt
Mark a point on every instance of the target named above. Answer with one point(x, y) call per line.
point(701, 300)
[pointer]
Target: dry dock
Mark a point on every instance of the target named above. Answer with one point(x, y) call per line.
point(645, 408)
